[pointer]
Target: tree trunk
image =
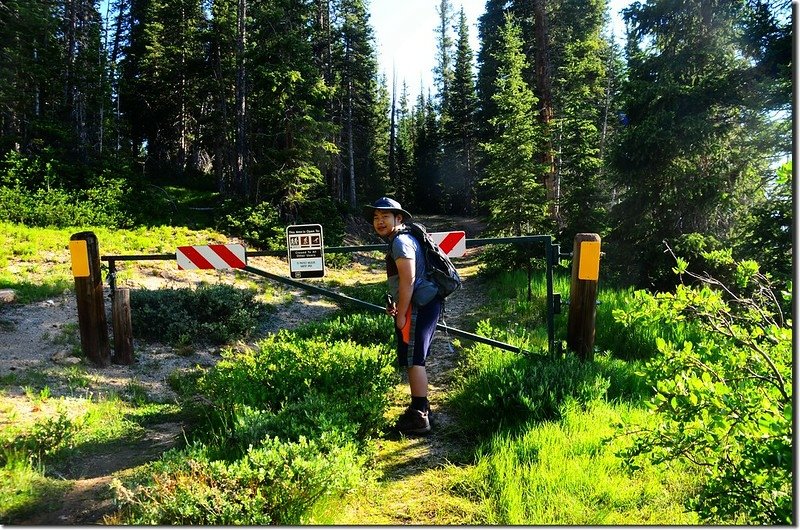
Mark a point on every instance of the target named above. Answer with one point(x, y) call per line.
point(392, 135)
point(544, 85)
point(123, 10)
point(350, 155)
point(222, 151)
point(242, 183)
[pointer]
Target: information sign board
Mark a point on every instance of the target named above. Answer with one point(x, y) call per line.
point(305, 246)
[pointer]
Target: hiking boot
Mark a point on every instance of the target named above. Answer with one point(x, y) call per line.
point(413, 421)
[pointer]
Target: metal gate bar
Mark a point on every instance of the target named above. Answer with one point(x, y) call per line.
point(373, 307)
point(551, 254)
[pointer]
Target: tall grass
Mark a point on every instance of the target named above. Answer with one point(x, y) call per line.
point(24, 488)
point(567, 472)
point(550, 429)
point(31, 455)
point(512, 309)
point(500, 390)
point(632, 340)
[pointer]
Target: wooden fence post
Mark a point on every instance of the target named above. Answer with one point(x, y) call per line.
point(583, 295)
point(85, 254)
point(123, 330)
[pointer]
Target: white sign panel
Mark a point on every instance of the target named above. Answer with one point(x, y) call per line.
point(305, 248)
point(454, 244)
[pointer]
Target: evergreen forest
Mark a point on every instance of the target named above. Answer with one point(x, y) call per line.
point(550, 127)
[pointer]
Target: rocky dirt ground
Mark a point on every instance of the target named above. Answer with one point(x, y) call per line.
point(40, 339)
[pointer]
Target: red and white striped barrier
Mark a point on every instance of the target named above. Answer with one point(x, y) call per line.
point(211, 257)
point(454, 244)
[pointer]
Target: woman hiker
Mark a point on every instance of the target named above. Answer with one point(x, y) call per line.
point(413, 304)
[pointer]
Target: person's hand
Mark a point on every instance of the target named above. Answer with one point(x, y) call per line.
point(391, 309)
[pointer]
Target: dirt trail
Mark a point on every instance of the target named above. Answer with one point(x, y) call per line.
point(90, 498)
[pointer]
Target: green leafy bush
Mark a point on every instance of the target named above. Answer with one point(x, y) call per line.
point(34, 192)
point(215, 314)
point(45, 440)
point(632, 337)
point(286, 425)
point(357, 327)
point(769, 234)
point(264, 226)
point(725, 401)
point(286, 369)
point(501, 389)
point(274, 482)
point(317, 415)
point(259, 226)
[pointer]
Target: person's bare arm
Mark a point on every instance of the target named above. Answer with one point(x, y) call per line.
point(405, 271)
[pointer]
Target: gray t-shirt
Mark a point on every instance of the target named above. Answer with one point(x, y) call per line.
point(405, 246)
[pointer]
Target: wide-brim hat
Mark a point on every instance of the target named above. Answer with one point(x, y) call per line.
point(385, 203)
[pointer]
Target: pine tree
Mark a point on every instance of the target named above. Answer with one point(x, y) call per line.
point(489, 24)
point(161, 88)
point(443, 71)
point(459, 135)
point(512, 182)
point(377, 178)
point(356, 60)
point(287, 106)
point(403, 183)
point(221, 131)
point(687, 161)
point(241, 167)
point(427, 191)
point(80, 29)
point(581, 98)
point(30, 69)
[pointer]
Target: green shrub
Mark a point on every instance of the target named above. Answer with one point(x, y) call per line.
point(497, 259)
point(363, 329)
point(263, 226)
point(274, 482)
point(500, 389)
point(216, 314)
point(259, 226)
point(632, 336)
point(724, 402)
point(373, 293)
point(46, 439)
point(314, 416)
point(34, 192)
point(286, 370)
point(497, 389)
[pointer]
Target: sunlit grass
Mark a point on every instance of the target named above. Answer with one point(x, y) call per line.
point(35, 262)
point(62, 429)
point(567, 472)
point(42, 442)
point(424, 497)
point(24, 489)
point(561, 469)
